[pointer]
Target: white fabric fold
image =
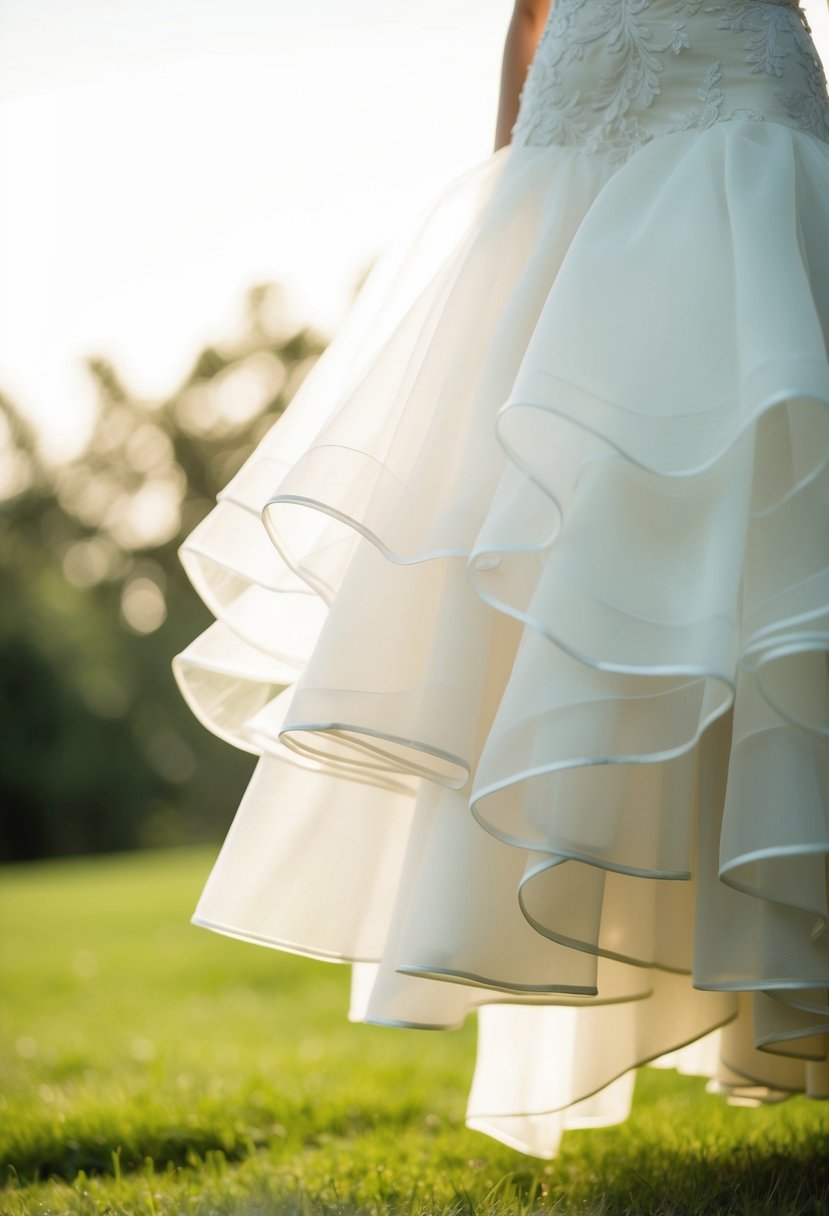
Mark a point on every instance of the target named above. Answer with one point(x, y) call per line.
point(524, 602)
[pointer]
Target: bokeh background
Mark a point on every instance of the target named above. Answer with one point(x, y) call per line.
point(193, 192)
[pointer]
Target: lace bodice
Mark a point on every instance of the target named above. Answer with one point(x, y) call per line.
point(610, 75)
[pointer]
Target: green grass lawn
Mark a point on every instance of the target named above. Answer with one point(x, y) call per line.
point(150, 1066)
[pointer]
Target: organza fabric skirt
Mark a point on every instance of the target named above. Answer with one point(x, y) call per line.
point(524, 605)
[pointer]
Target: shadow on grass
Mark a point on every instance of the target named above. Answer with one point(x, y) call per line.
point(107, 1147)
point(738, 1181)
point(97, 1154)
point(607, 1179)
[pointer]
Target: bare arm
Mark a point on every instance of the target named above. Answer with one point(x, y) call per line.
point(528, 19)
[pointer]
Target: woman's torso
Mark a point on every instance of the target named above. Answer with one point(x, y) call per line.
point(609, 75)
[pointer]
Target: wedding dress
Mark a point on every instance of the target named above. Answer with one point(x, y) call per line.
point(524, 601)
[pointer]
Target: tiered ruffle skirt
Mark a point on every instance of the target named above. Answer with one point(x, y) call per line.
point(524, 604)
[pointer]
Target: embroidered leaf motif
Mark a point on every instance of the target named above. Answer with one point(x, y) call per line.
point(596, 79)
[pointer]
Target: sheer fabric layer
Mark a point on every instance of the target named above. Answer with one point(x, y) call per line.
point(533, 642)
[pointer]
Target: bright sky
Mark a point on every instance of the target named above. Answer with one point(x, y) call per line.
point(161, 156)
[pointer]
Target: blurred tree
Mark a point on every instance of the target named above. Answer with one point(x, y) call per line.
point(98, 751)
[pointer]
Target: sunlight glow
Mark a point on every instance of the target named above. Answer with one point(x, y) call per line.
point(143, 606)
point(167, 159)
point(149, 517)
point(91, 561)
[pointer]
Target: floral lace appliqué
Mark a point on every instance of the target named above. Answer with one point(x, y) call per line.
point(767, 24)
point(624, 110)
point(549, 115)
point(636, 78)
point(770, 26)
point(711, 111)
point(808, 106)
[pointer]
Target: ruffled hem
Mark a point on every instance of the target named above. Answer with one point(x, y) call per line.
point(533, 643)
